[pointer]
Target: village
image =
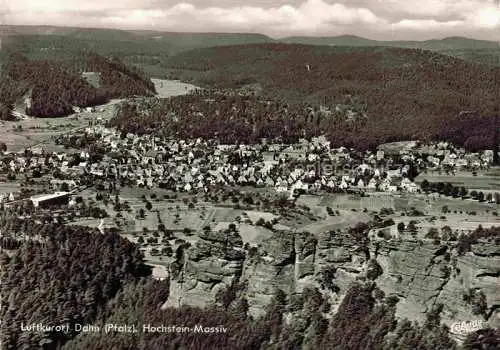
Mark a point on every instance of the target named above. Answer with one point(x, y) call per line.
point(191, 165)
point(101, 166)
point(197, 166)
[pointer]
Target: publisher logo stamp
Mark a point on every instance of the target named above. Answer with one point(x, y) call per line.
point(466, 327)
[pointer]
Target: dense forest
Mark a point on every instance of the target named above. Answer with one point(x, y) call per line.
point(247, 119)
point(60, 274)
point(117, 79)
point(431, 95)
point(56, 86)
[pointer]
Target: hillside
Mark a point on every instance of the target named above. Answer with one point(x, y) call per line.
point(449, 43)
point(56, 86)
point(47, 41)
point(479, 51)
point(148, 48)
point(404, 93)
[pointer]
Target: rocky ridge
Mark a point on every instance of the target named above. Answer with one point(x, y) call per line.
point(421, 273)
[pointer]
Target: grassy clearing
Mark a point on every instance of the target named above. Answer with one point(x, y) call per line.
point(37, 131)
point(487, 181)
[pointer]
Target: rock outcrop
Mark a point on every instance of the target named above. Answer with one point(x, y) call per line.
point(421, 273)
point(210, 265)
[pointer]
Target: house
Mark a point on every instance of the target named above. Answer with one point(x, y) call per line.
point(46, 200)
point(372, 184)
point(380, 155)
point(408, 186)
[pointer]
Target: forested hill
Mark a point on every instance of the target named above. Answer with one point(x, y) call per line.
point(59, 274)
point(405, 93)
point(55, 86)
point(117, 79)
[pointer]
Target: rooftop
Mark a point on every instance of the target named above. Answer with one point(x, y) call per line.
point(48, 196)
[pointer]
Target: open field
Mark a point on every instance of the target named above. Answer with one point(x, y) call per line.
point(487, 181)
point(345, 220)
point(459, 222)
point(167, 88)
point(7, 187)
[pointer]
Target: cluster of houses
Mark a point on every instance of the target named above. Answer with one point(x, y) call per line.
point(40, 167)
point(199, 165)
point(310, 166)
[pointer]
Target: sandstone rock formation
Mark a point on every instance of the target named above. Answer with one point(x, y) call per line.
point(421, 273)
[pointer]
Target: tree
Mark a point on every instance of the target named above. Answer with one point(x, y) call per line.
point(142, 213)
point(489, 197)
point(440, 187)
point(412, 227)
point(496, 197)
point(483, 339)
point(168, 251)
point(373, 269)
point(401, 226)
point(479, 304)
point(447, 189)
point(446, 232)
point(480, 196)
point(463, 192)
point(154, 252)
point(330, 211)
point(424, 185)
point(260, 222)
point(433, 233)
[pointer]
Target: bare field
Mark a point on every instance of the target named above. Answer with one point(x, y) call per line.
point(168, 88)
point(462, 223)
point(309, 200)
point(340, 201)
point(254, 235)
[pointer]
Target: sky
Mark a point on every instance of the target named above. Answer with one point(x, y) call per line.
point(375, 19)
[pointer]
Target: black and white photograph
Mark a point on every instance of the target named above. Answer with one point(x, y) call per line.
point(250, 175)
